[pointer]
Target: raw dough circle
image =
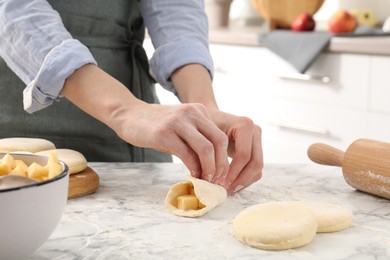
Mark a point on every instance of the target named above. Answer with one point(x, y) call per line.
point(330, 217)
point(32, 145)
point(74, 159)
point(275, 225)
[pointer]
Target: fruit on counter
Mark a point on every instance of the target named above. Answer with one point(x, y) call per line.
point(8, 165)
point(189, 202)
point(365, 17)
point(342, 22)
point(303, 22)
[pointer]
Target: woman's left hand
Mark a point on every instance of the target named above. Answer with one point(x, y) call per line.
point(244, 148)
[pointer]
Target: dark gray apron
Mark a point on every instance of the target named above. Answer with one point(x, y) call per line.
point(113, 31)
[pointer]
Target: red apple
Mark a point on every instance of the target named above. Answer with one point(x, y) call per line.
point(303, 22)
point(342, 22)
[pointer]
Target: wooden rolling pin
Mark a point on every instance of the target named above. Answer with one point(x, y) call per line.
point(365, 164)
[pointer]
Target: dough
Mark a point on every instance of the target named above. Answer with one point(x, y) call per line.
point(32, 145)
point(209, 195)
point(330, 217)
point(275, 225)
point(74, 159)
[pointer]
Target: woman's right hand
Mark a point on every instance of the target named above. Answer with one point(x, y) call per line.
point(185, 131)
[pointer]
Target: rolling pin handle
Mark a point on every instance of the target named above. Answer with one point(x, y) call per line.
point(325, 154)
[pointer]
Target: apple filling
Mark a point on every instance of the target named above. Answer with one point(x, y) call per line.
point(188, 200)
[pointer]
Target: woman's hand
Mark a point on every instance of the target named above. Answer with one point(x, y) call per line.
point(202, 142)
point(244, 148)
point(199, 134)
point(183, 130)
point(186, 130)
point(193, 83)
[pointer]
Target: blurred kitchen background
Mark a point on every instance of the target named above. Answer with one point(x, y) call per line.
point(343, 96)
point(241, 13)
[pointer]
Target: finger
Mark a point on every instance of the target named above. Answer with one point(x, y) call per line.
point(245, 179)
point(219, 178)
point(202, 148)
point(176, 146)
point(180, 136)
point(242, 155)
point(219, 140)
point(252, 172)
point(201, 136)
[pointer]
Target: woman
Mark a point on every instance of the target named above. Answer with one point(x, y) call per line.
point(90, 52)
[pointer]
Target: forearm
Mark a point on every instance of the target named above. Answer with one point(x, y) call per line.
point(193, 84)
point(29, 30)
point(184, 41)
point(100, 95)
point(38, 48)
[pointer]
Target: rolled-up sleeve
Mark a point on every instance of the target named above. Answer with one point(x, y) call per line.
point(37, 47)
point(179, 32)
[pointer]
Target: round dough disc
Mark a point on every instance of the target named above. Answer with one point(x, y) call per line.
point(275, 225)
point(74, 159)
point(330, 217)
point(31, 145)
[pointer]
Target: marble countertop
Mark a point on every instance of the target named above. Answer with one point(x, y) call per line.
point(126, 219)
point(248, 36)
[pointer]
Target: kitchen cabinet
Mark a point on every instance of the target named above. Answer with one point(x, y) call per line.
point(380, 82)
point(265, 73)
point(379, 99)
point(345, 99)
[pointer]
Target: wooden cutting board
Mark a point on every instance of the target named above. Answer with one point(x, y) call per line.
point(83, 183)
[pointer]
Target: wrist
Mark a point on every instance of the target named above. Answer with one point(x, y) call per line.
point(100, 95)
point(125, 117)
point(194, 85)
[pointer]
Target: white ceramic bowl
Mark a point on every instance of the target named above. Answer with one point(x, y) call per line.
point(30, 214)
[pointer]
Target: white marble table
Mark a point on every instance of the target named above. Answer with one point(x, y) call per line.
point(126, 219)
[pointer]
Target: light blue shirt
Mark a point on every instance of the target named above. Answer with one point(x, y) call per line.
point(36, 46)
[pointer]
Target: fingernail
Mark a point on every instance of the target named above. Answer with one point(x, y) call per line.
point(194, 174)
point(209, 177)
point(238, 188)
point(218, 181)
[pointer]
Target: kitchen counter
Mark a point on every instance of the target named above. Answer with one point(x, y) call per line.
point(249, 36)
point(126, 219)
